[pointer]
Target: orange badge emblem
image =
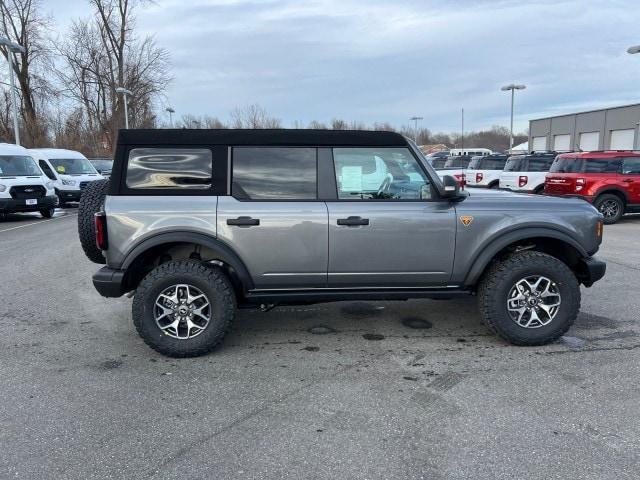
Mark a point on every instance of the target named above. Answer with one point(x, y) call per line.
point(466, 220)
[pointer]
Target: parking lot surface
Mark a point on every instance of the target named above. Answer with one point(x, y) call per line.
point(416, 389)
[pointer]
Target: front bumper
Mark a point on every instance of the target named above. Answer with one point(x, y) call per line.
point(68, 195)
point(590, 270)
point(9, 205)
point(109, 282)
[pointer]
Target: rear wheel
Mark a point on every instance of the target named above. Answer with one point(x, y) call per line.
point(91, 202)
point(611, 206)
point(529, 298)
point(47, 212)
point(184, 308)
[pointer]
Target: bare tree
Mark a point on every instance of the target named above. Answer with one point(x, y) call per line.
point(102, 54)
point(253, 116)
point(22, 22)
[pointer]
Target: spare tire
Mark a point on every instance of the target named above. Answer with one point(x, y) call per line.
point(91, 202)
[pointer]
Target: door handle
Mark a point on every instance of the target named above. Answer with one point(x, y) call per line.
point(243, 221)
point(353, 221)
point(628, 180)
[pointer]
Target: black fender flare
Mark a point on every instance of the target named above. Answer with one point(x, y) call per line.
point(496, 243)
point(222, 252)
point(611, 189)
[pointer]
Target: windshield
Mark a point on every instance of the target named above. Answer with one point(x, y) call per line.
point(102, 164)
point(72, 166)
point(18, 166)
point(513, 164)
point(457, 162)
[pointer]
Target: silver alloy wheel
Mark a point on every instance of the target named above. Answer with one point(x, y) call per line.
point(182, 311)
point(533, 301)
point(609, 208)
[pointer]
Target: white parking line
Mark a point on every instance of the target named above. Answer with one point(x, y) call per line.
point(39, 223)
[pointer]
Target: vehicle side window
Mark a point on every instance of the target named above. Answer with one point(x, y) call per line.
point(379, 174)
point(602, 165)
point(539, 164)
point(493, 163)
point(169, 168)
point(47, 170)
point(274, 173)
point(631, 166)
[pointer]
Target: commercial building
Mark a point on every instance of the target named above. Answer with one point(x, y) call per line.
point(606, 129)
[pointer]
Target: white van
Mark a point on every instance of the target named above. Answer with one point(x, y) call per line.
point(70, 171)
point(23, 186)
point(472, 152)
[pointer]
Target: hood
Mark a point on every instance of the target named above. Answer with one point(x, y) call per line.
point(30, 180)
point(506, 200)
point(81, 177)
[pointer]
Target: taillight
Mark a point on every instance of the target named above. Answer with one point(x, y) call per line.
point(100, 220)
point(479, 177)
point(522, 180)
point(580, 183)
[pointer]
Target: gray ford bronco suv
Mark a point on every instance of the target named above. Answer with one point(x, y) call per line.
point(197, 223)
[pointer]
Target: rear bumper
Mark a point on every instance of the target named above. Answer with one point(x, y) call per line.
point(8, 205)
point(590, 270)
point(588, 198)
point(109, 282)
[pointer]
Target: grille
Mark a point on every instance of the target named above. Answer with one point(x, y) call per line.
point(27, 191)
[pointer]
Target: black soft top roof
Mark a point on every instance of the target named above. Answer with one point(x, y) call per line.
point(346, 138)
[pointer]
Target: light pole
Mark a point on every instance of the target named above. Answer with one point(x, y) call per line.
point(11, 49)
point(513, 88)
point(171, 112)
point(415, 130)
point(124, 93)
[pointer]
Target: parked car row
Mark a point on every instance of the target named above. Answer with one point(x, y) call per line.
point(610, 180)
point(38, 180)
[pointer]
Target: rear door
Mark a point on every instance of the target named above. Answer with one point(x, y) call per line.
point(273, 218)
point(631, 178)
point(396, 233)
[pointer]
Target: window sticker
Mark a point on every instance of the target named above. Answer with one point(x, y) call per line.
point(351, 180)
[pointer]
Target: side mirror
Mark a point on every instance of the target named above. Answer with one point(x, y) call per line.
point(451, 187)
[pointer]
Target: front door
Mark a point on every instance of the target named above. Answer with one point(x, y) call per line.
point(631, 178)
point(274, 220)
point(388, 228)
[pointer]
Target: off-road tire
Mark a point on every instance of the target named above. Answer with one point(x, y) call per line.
point(47, 212)
point(91, 202)
point(211, 281)
point(609, 197)
point(502, 275)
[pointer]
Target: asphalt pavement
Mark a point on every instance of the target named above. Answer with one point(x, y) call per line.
point(357, 390)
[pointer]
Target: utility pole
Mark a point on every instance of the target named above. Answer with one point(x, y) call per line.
point(11, 49)
point(415, 129)
point(462, 136)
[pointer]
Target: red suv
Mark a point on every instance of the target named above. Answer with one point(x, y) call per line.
point(610, 180)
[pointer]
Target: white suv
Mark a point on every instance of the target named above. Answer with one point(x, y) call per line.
point(70, 171)
point(484, 171)
point(526, 173)
point(23, 186)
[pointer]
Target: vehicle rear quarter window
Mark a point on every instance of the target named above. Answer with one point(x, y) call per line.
point(475, 163)
point(438, 163)
point(274, 173)
point(457, 162)
point(539, 164)
point(566, 165)
point(493, 163)
point(169, 168)
point(514, 164)
point(631, 166)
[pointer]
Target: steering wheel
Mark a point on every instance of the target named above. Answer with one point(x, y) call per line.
point(386, 183)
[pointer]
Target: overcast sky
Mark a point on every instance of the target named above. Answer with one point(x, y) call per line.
point(371, 60)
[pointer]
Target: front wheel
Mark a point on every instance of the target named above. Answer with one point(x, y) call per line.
point(184, 308)
point(529, 298)
point(47, 212)
point(610, 206)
